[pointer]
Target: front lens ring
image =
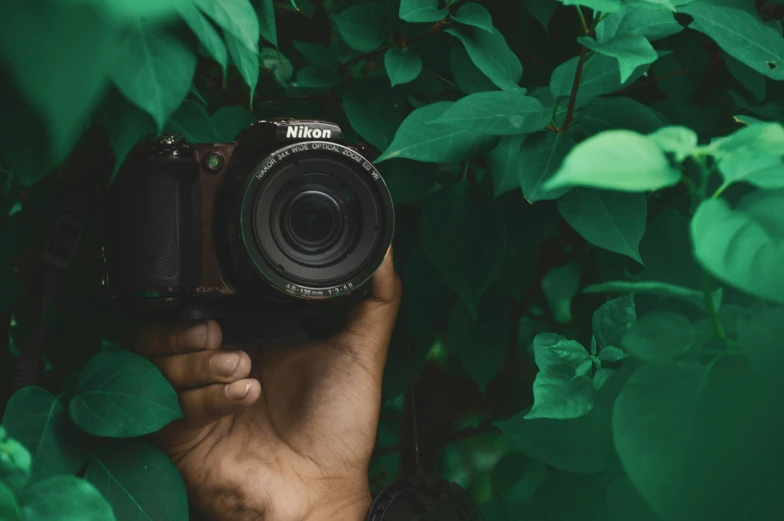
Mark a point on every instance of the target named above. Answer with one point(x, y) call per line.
point(355, 170)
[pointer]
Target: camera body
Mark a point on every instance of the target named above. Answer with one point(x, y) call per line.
point(283, 218)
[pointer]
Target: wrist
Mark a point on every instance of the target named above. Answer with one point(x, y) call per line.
point(351, 508)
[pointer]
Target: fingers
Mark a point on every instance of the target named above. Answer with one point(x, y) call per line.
point(209, 404)
point(163, 339)
point(370, 324)
point(204, 368)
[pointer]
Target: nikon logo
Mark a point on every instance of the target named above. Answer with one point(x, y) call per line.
point(304, 131)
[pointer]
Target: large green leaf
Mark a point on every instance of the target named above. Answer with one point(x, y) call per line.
point(753, 81)
point(364, 27)
point(474, 14)
point(9, 508)
point(40, 422)
point(562, 388)
point(468, 77)
point(600, 75)
point(540, 157)
point(140, 482)
point(235, 17)
point(600, 114)
point(760, 338)
point(192, 121)
point(613, 319)
point(64, 498)
point(670, 426)
point(374, 110)
point(611, 220)
point(151, 9)
point(403, 65)
point(496, 113)
point(616, 160)
point(246, 61)
point(503, 162)
point(482, 343)
point(659, 336)
point(421, 139)
point(58, 56)
point(119, 394)
point(744, 247)
point(638, 18)
point(208, 36)
point(462, 232)
point(492, 55)
point(421, 11)
point(742, 36)
point(153, 70)
point(753, 154)
point(267, 27)
point(631, 50)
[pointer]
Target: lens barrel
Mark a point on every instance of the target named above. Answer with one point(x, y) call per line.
point(315, 219)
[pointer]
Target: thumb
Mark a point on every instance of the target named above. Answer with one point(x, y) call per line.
point(369, 328)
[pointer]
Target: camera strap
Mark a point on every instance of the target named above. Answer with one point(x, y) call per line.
point(56, 258)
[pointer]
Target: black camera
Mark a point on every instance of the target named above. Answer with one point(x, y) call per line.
point(285, 216)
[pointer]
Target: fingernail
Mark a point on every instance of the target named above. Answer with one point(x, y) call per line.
point(224, 364)
point(237, 390)
point(196, 336)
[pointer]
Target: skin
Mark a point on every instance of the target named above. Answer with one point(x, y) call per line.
point(278, 434)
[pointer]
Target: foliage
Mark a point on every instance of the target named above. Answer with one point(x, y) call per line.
point(590, 233)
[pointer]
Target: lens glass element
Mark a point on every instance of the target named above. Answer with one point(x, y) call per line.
point(313, 220)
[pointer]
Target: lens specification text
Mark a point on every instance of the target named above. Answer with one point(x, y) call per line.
point(329, 147)
point(330, 292)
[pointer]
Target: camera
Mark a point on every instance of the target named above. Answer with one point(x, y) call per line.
point(279, 221)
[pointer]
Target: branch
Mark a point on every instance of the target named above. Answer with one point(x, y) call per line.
point(588, 31)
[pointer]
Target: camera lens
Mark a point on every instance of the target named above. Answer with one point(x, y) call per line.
point(316, 219)
point(313, 221)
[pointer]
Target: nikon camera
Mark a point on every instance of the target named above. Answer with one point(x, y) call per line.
point(283, 217)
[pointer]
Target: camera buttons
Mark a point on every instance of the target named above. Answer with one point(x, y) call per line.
point(213, 161)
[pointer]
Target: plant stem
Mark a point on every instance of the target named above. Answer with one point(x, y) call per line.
point(582, 19)
point(575, 86)
point(720, 190)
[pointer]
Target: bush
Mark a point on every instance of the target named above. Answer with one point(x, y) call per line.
point(590, 209)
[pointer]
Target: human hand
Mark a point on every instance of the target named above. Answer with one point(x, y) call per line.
point(278, 434)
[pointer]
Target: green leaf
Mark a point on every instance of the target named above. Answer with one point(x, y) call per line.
point(497, 113)
point(560, 390)
point(126, 126)
point(600, 114)
point(403, 65)
point(610, 354)
point(631, 50)
point(408, 180)
point(754, 139)
point(670, 424)
point(638, 18)
point(463, 234)
point(140, 482)
point(419, 138)
point(364, 27)
point(15, 463)
point(64, 498)
point(503, 162)
point(273, 62)
point(192, 122)
point(318, 54)
point(751, 80)
point(601, 75)
point(267, 27)
point(153, 70)
point(540, 157)
point(227, 122)
point(40, 422)
point(62, 82)
point(754, 154)
point(374, 110)
point(9, 508)
point(120, 395)
point(476, 15)
point(743, 248)
point(235, 17)
point(616, 160)
point(206, 34)
point(315, 77)
point(677, 140)
point(560, 284)
point(468, 77)
point(659, 336)
point(605, 6)
point(421, 11)
point(611, 220)
point(492, 55)
point(480, 344)
point(742, 36)
point(661, 289)
point(152, 9)
point(760, 339)
point(246, 61)
point(542, 10)
point(624, 502)
point(613, 319)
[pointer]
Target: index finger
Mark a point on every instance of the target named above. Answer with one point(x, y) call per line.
point(165, 339)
